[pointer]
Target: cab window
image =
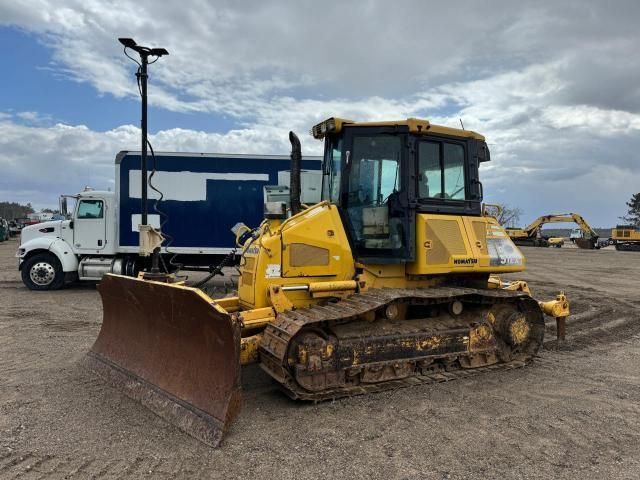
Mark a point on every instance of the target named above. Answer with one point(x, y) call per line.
point(332, 171)
point(441, 172)
point(90, 209)
point(375, 170)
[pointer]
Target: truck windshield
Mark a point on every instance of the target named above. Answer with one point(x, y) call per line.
point(90, 209)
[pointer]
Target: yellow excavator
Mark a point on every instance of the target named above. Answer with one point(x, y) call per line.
point(531, 235)
point(390, 281)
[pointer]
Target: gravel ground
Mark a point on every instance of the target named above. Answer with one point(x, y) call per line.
point(573, 414)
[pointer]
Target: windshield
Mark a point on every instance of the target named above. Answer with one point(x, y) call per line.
point(89, 209)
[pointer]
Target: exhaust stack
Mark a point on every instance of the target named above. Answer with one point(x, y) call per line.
point(294, 182)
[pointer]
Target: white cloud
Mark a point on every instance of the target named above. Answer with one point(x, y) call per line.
point(553, 85)
point(591, 119)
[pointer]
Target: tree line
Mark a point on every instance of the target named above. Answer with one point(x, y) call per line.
point(11, 210)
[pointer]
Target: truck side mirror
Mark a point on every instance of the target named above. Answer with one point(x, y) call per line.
point(62, 206)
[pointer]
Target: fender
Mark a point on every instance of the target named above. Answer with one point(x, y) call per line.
point(57, 246)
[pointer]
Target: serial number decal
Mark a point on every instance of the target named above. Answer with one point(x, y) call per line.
point(503, 252)
point(273, 270)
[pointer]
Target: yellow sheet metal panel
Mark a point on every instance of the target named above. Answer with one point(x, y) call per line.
point(440, 239)
point(315, 244)
point(450, 244)
point(277, 261)
point(625, 234)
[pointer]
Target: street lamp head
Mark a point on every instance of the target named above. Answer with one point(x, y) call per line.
point(143, 51)
point(158, 52)
point(128, 42)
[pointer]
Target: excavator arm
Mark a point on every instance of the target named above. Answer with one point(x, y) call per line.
point(589, 239)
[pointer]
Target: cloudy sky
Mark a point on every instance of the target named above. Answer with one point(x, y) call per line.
point(553, 85)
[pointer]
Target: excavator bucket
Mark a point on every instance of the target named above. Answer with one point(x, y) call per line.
point(586, 243)
point(172, 349)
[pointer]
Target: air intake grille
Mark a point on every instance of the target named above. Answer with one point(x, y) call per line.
point(446, 240)
point(247, 278)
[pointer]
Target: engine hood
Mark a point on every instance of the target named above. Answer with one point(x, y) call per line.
point(44, 229)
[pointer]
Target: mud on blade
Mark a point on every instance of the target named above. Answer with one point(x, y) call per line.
point(170, 348)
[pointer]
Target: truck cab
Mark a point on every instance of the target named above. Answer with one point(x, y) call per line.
point(575, 233)
point(54, 252)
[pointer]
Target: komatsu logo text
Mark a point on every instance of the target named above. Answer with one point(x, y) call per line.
point(465, 261)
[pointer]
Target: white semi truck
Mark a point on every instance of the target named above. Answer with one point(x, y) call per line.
point(204, 195)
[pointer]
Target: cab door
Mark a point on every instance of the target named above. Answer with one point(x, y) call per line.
point(89, 226)
point(374, 195)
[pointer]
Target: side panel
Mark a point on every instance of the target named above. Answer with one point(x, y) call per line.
point(625, 234)
point(204, 195)
point(452, 244)
point(318, 256)
point(315, 245)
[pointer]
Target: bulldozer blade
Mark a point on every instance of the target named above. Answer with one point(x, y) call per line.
point(173, 350)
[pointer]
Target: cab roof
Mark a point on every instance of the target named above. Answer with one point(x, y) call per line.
point(415, 125)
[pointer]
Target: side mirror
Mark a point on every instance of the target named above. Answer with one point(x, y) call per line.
point(483, 153)
point(62, 206)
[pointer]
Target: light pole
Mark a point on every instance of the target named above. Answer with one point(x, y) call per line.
point(152, 237)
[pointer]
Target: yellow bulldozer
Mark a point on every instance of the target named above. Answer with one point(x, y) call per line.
point(531, 235)
point(390, 281)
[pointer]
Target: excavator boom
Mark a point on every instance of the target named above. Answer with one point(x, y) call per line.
point(530, 235)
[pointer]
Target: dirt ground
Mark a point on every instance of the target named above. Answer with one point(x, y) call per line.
point(575, 413)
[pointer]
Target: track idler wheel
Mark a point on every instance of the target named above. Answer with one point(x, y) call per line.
point(520, 332)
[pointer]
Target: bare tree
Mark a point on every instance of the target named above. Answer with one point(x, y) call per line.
point(507, 216)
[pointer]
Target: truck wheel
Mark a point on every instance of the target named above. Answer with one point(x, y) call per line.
point(43, 272)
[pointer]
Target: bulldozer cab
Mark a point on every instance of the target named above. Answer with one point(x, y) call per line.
point(380, 175)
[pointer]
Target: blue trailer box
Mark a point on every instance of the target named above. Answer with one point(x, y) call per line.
point(204, 195)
